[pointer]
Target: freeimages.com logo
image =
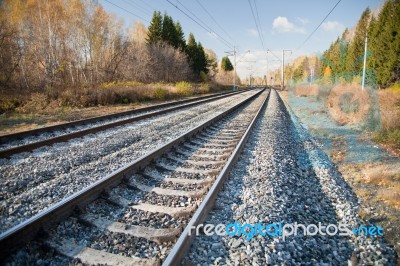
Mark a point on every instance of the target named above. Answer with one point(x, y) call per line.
point(284, 230)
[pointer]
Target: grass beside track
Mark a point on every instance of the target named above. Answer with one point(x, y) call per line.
point(39, 111)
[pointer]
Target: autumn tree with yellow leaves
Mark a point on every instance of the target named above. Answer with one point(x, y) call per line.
point(57, 44)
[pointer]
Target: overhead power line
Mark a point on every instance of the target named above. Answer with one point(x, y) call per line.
point(257, 26)
point(309, 36)
point(145, 10)
point(215, 21)
point(259, 21)
point(268, 50)
point(194, 15)
point(189, 16)
point(205, 26)
point(147, 4)
point(127, 11)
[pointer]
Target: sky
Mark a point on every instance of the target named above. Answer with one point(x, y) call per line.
point(257, 29)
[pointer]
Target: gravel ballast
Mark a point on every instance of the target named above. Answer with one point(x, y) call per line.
point(31, 182)
point(120, 203)
point(283, 176)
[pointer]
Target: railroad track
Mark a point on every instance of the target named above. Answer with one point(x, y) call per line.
point(31, 182)
point(134, 215)
point(27, 141)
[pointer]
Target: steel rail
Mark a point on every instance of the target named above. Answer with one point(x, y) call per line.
point(33, 132)
point(184, 241)
point(65, 137)
point(27, 230)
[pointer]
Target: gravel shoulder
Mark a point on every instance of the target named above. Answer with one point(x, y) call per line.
point(284, 176)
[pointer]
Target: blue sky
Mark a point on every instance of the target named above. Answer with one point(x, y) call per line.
point(284, 24)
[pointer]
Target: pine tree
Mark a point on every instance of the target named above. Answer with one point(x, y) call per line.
point(226, 64)
point(191, 47)
point(196, 56)
point(374, 55)
point(202, 59)
point(179, 37)
point(384, 44)
point(354, 58)
point(168, 31)
point(154, 31)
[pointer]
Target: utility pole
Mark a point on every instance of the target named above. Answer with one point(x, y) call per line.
point(311, 75)
point(365, 62)
point(266, 82)
point(234, 65)
point(283, 68)
point(234, 68)
point(251, 70)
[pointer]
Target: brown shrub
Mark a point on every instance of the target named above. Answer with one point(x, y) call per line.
point(307, 90)
point(344, 112)
point(38, 101)
point(203, 88)
point(389, 101)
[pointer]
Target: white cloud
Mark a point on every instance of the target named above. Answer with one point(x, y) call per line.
point(332, 26)
point(282, 24)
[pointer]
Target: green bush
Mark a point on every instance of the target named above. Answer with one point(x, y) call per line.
point(114, 84)
point(203, 76)
point(184, 88)
point(389, 137)
point(8, 105)
point(160, 94)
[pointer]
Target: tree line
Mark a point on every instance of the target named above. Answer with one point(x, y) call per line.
point(76, 43)
point(344, 58)
point(164, 31)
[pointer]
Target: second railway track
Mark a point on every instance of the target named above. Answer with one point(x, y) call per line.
point(29, 140)
point(135, 215)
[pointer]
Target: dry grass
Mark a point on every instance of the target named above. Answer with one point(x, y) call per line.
point(307, 90)
point(19, 112)
point(389, 101)
point(110, 93)
point(377, 186)
point(390, 197)
point(363, 193)
point(389, 136)
point(374, 176)
point(387, 179)
point(338, 152)
point(383, 178)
